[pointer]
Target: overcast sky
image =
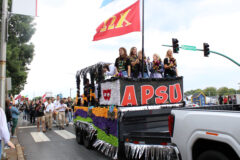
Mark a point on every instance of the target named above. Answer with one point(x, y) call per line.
point(65, 29)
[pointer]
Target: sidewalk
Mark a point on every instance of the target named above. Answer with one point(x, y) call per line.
point(14, 154)
point(17, 153)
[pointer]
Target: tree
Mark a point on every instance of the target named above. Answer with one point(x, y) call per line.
point(223, 91)
point(188, 93)
point(19, 50)
point(238, 91)
point(210, 91)
point(191, 92)
point(231, 91)
point(197, 91)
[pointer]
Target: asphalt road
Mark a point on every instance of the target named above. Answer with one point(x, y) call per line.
point(53, 145)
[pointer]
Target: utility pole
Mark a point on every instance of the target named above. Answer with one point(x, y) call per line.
point(3, 53)
point(3, 58)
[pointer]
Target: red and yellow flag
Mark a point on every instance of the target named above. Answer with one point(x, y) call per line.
point(126, 21)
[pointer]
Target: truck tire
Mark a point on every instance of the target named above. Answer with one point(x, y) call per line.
point(79, 137)
point(212, 155)
point(86, 142)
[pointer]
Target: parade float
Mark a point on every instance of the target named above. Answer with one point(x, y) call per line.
point(126, 118)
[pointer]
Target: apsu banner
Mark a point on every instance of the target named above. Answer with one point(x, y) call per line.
point(142, 92)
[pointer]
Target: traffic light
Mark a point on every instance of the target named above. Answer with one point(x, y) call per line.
point(175, 45)
point(206, 49)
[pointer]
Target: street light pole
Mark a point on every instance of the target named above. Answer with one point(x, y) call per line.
point(3, 53)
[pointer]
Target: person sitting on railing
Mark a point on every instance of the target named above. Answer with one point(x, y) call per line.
point(170, 65)
point(122, 64)
point(146, 69)
point(109, 70)
point(157, 68)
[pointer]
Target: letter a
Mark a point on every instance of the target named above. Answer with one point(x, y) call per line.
point(129, 97)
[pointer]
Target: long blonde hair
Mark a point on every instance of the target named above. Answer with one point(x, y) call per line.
point(158, 57)
point(140, 52)
point(167, 54)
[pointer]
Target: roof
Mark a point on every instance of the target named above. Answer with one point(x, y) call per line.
point(91, 68)
point(195, 95)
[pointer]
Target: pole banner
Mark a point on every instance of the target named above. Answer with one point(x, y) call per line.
point(25, 7)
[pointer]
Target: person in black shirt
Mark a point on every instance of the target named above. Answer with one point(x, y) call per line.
point(230, 99)
point(122, 64)
point(134, 62)
point(170, 65)
point(40, 115)
point(32, 112)
point(220, 99)
point(140, 67)
point(70, 110)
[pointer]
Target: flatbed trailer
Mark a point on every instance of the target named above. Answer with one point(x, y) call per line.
point(141, 133)
point(131, 118)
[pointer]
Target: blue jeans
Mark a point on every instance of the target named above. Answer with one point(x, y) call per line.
point(0, 149)
point(145, 75)
point(69, 116)
point(123, 74)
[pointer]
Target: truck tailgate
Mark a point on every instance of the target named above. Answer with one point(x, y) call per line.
point(147, 126)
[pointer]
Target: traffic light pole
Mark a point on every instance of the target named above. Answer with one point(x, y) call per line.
point(226, 57)
point(220, 54)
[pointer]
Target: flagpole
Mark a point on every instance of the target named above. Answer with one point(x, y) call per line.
point(142, 38)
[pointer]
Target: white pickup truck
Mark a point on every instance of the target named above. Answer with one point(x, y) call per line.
point(206, 133)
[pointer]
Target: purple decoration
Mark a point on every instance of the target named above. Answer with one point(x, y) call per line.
point(80, 113)
point(100, 122)
point(104, 123)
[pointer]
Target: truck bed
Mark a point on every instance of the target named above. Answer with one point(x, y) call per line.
point(148, 126)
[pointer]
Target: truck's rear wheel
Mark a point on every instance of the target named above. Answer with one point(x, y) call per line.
point(86, 142)
point(212, 155)
point(79, 137)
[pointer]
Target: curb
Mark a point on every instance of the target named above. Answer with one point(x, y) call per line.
point(20, 155)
